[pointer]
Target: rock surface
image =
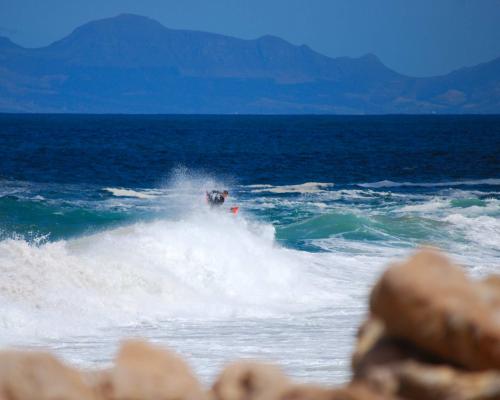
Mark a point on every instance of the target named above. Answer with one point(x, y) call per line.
point(375, 347)
point(431, 303)
point(39, 376)
point(396, 368)
point(250, 381)
point(350, 392)
point(144, 371)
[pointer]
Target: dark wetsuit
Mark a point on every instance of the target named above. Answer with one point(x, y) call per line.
point(215, 198)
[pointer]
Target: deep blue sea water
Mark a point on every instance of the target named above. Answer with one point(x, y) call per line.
point(140, 151)
point(105, 232)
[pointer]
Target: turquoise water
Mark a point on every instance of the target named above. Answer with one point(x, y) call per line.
point(105, 232)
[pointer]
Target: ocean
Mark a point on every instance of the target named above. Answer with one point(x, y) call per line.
point(105, 232)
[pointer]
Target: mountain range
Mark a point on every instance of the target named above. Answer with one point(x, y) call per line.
point(133, 64)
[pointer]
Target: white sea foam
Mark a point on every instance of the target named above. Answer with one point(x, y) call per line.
point(483, 230)
point(121, 192)
point(432, 205)
point(307, 187)
point(206, 265)
point(387, 183)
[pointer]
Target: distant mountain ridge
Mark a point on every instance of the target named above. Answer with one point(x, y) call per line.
point(133, 64)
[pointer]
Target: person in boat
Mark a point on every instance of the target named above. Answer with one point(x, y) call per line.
point(216, 197)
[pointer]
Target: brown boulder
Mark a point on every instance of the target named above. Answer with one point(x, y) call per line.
point(350, 392)
point(40, 376)
point(146, 372)
point(100, 382)
point(388, 365)
point(248, 380)
point(374, 347)
point(415, 381)
point(489, 291)
point(431, 303)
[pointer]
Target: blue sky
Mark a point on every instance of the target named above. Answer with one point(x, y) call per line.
point(418, 38)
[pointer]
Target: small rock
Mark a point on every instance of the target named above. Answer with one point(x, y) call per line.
point(146, 372)
point(247, 380)
point(39, 376)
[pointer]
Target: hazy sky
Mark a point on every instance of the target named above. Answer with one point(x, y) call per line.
point(420, 38)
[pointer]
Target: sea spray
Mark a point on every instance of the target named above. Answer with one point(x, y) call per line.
point(207, 264)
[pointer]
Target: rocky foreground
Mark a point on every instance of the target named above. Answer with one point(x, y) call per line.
point(432, 334)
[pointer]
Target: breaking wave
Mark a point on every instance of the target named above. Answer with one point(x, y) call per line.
point(203, 265)
point(117, 257)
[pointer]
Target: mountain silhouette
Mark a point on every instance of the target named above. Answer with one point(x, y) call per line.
point(133, 64)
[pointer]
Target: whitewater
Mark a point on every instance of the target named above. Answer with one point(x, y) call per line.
point(267, 283)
